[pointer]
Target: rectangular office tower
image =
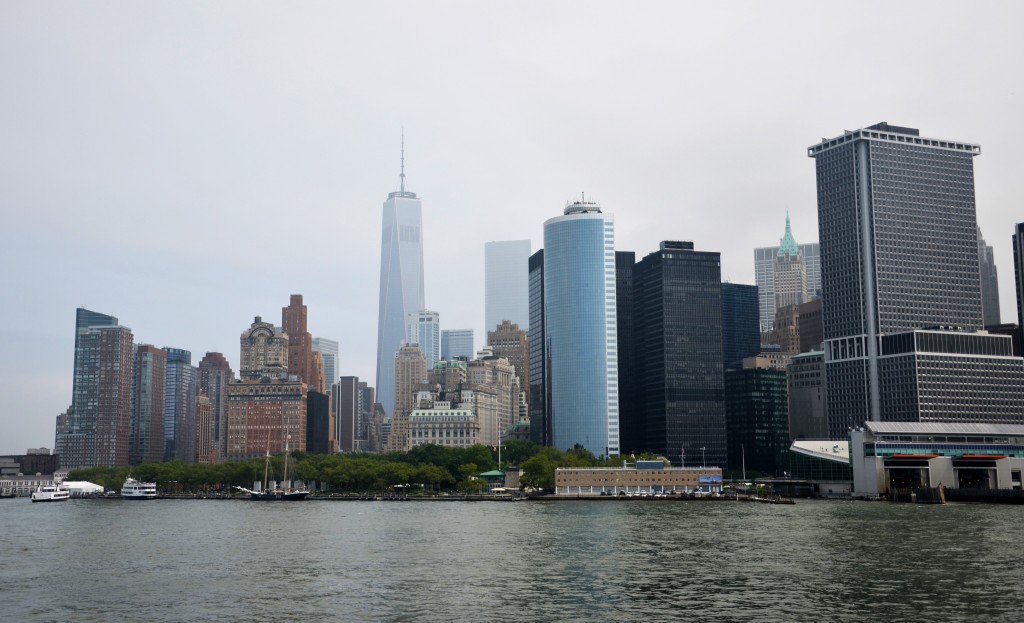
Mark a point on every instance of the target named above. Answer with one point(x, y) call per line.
point(899, 251)
point(677, 298)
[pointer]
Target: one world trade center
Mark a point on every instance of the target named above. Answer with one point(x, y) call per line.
point(401, 281)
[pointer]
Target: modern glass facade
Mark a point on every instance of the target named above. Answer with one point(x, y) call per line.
point(506, 287)
point(678, 345)
point(148, 375)
point(457, 343)
point(181, 385)
point(424, 329)
point(540, 424)
point(757, 413)
point(328, 350)
point(401, 284)
point(580, 329)
point(630, 434)
point(741, 337)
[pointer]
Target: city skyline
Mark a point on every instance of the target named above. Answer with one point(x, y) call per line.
point(123, 194)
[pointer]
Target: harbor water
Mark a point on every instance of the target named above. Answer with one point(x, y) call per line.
point(226, 560)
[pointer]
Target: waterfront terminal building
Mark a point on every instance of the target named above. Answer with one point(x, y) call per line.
point(888, 456)
point(643, 477)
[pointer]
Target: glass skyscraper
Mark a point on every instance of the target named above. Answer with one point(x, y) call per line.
point(424, 329)
point(740, 335)
point(677, 299)
point(401, 282)
point(328, 350)
point(506, 291)
point(457, 343)
point(580, 329)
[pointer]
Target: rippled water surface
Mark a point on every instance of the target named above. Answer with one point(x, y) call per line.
point(171, 560)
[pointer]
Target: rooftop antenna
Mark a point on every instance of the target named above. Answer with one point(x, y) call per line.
point(402, 176)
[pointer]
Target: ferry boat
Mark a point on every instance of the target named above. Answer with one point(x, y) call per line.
point(136, 490)
point(51, 493)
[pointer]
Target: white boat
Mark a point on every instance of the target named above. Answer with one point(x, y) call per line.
point(51, 493)
point(136, 490)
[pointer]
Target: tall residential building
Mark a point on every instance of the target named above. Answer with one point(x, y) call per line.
point(506, 288)
point(509, 341)
point(410, 377)
point(205, 445)
point(456, 344)
point(764, 277)
point(345, 402)
point(540, 423)
point(181, 386)
point(301, 360)
point(899, 242)
point(267, 406)
point(580, 329)
point(95, 431)
point(678, 332)
point(401, 281)
point(147, 425)
point(264, 352)
point(215, 375)
point(328, 350)
point(989, 283)
point(741, 336)
point(423, 329)
point(264, 415)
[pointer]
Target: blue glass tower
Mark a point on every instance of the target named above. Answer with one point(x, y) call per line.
point(741, 335)
point(581, 346)
point(401, 282)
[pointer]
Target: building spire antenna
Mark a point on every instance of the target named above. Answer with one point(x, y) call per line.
point(402, 175)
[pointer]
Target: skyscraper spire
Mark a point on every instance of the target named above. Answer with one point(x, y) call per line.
point(787, 244)
point(402, 175)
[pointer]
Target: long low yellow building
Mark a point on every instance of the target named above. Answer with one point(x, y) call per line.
point(644, 476)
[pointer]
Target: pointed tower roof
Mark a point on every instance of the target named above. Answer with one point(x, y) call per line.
point(787, 244)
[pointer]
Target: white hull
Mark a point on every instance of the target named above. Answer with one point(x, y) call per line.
point(50, 494)
point(136, 490)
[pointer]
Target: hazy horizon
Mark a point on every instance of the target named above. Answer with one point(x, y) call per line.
point(186, 167)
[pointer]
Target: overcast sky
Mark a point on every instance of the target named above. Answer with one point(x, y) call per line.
point(188, 166)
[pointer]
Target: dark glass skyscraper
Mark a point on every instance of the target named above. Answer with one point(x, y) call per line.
point(741, 336)
point(181, 386)
point(757, 412)
point(677, 294)
point(540, 425)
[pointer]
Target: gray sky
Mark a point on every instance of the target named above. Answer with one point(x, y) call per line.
point(187, 166)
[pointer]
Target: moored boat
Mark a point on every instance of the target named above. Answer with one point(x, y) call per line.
point(51, 493)
point(285, 494)
point(137, 490)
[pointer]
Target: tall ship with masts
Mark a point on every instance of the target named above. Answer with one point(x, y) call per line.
point(282, 493)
